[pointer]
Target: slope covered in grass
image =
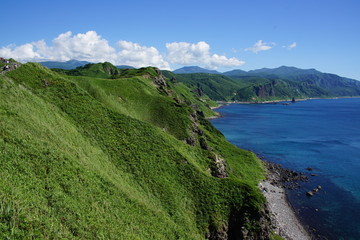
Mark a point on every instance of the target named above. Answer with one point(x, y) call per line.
point(84, 158)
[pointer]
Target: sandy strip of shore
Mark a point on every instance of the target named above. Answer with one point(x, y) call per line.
point(286, 223)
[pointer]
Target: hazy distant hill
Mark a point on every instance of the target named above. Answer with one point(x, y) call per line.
point(124, 67)
point(71, 64)
point(195, 69)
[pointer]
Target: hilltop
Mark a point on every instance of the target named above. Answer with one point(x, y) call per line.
point(100, 152)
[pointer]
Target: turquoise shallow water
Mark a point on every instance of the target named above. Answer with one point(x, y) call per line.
point(321, 134)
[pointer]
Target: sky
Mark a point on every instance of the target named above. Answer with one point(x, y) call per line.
point(221, 35)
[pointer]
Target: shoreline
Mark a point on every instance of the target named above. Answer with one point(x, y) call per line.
point(283, 217)
point(224, 103)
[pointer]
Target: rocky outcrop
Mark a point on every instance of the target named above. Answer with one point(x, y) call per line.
point(9, 65)
point(285, 178)
point(218, 167)
point(237, 227)
point(160, 82)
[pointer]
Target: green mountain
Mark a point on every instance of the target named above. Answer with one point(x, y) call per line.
point(71, 64)
point(331, 83)
point(102, 70)
point(218, 87)
point(195, 69)
point(102, 153)
point(270, 84)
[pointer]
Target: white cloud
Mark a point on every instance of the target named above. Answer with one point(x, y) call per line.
point(136, 55)
point(92, 47)
point(260, 46)
point(198, 53)
point(291, 46)
point(87, 46)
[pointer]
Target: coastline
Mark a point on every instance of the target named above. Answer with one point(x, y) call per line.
point(224, 103)
point(285, 101)
point(283, 217)
point(322, 216)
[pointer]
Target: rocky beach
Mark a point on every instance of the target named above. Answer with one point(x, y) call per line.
point(284, 220)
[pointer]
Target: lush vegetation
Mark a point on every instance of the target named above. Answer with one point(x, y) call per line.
point(103, 153)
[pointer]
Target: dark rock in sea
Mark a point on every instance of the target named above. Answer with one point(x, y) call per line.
point(309, 169)
point(310, 194)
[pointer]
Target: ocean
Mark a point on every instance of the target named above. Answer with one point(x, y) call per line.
point(319, 137)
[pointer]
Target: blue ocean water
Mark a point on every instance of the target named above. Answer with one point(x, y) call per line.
point(322, 134)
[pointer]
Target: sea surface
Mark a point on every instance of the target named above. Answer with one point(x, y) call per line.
point(322, 134)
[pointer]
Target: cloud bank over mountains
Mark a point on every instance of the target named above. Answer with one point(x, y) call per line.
point(189, 54)
point(91, 47)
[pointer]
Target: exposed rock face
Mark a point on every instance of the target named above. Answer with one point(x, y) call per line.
point(218, 234)
point(159, 80)
point(236, 228)
point(261, 91)
point(203, 143)
point(267, 90)
point(9, 65)
point(191, 141)
point(219, 167)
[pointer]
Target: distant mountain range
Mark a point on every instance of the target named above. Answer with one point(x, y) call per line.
point(71, 64)
point(268, 84)
point(195, 69)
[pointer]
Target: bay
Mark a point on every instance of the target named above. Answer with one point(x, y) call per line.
point(323, 135)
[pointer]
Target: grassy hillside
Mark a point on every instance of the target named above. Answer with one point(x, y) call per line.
point(98, 158)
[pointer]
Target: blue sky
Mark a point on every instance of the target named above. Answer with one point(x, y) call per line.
point(222, 35)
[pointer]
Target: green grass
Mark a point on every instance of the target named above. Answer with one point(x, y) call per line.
point(79, 162)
